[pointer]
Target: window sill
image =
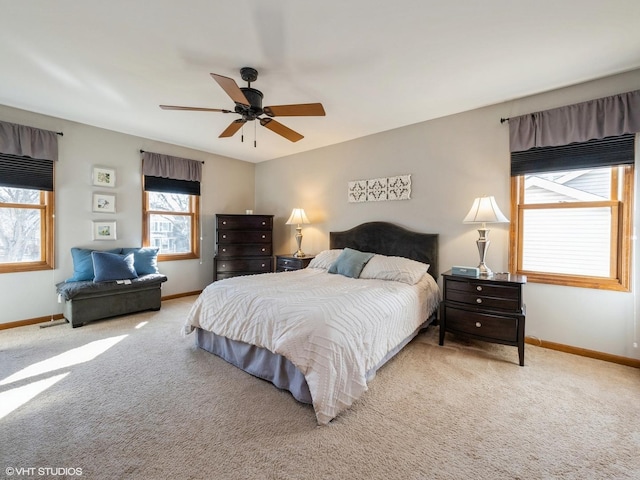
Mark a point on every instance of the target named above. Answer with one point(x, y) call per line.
point(598, 283)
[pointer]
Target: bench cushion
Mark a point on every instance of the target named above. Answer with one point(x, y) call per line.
point(84, 289)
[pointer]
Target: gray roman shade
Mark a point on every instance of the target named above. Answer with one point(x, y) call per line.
point(26, 156)
point(164, 173)
point(585, 135)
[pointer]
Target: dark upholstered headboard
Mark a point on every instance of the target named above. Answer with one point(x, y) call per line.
point(391, 240)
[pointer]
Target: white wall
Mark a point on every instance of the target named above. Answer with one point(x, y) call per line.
point(227, 187)
point(451, 160)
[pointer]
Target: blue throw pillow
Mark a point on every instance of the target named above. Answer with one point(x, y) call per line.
point(83, 264)
point(145, 259)
point(112, 266)
point(350, 263)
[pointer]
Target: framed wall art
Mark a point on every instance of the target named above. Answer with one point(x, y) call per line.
point(380, 189)
point(104, 177)
point(104, 230)
point(104, 203)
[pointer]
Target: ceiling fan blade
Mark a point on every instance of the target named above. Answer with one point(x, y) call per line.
point(230, 86)
point(233, 128)
point(280, 129)
point(194, 109)
point(297, 110)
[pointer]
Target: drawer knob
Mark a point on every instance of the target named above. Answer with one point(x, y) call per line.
point(224, 236)
point(478, 300)
point(479, 288)
point(264, 223)
point(286, 262)
point(263, 249)
point(478, 324)
point(224, 249)
point(264, 236)
point(224, 265)
point(263, 265)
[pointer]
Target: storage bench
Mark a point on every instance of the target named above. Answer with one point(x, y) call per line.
point(85, 301)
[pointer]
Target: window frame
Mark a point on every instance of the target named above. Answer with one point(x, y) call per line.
point(47, 235)
point(194, 213)
point(621, 234)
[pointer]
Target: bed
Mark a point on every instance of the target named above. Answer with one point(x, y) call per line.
point(319, 334)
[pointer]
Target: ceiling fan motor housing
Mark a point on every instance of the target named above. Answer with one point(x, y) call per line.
point(255, 101)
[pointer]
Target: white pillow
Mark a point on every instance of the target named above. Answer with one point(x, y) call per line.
point(325, 258)
point(398, 269)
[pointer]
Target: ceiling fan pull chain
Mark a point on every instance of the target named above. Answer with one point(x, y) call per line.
point(242, 134)
point(255, 135)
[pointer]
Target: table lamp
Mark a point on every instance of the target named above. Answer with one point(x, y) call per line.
point(484, 210)
point(298, 217)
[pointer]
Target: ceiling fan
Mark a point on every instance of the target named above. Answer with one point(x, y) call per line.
point(249, 106)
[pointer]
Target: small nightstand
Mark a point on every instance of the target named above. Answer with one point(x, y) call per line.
point(488, 309)
point(286, 263)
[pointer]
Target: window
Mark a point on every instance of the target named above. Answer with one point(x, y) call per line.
point(573, 227)
point(171, 219)
point(26, 229)
point(171, 223)
point(27, 158)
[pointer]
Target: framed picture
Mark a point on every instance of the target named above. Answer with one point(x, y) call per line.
point(104, 230)
point(104, 203)
point(104, 177)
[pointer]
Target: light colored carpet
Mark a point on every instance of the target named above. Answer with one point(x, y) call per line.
point(152, 406)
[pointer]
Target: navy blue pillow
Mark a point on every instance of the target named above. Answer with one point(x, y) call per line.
point(145, 259)
point(108, 267)
point(350, 263)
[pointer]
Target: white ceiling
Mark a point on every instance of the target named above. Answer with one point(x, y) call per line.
point(374, 66)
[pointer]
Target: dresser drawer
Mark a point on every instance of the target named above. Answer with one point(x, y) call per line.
point(483, 288)
point(241, 236)
point(484, 325)
point(506, 304)
point(492, 296)
point(244, 222)
point(244, 250)
point(246, 265)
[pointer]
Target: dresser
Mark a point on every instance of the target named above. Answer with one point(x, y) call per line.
point(287, 263)
point(488, 309)
point(244, 245)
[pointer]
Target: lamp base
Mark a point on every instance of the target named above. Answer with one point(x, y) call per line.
point(299, 253)
point(485, 272)
point(483, 245)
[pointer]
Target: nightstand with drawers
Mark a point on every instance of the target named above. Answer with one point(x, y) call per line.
point(287, 263)
point(488, 309)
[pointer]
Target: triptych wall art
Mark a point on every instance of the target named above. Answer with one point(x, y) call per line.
point(380, 189)
point(103, 203)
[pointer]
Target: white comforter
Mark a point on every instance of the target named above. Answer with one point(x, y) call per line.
point(334, 329)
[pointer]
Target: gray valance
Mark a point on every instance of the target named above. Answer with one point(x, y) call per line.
point(26, 141)
point(175, 168)
point(605, 117)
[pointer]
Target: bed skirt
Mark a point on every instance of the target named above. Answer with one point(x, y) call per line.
point(275, 368)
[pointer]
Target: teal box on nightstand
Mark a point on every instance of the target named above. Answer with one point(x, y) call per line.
point(466, 271)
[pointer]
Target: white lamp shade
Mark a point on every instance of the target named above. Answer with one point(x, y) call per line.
point(485, 210)
point(297, 217)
